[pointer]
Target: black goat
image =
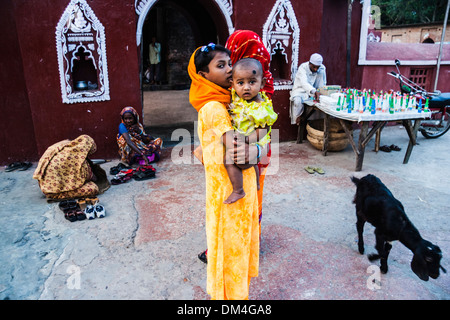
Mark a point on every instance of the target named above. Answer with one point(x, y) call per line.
point(375, 204)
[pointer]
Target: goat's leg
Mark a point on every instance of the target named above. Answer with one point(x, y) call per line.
point(360, 229)
point(383, 247)
point(384, 257)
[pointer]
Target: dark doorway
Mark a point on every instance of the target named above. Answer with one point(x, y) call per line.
point(180, 27)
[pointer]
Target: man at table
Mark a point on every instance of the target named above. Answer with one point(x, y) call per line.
point(311, 75)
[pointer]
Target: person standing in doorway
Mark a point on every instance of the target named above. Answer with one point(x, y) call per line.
point(155, 61)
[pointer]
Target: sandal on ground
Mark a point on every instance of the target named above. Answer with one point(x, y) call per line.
point(90, 212)
point(115, 170)
point(120, 180)
point(146, 168)
point(319, 170)
point(92, 201)
point(385, 149)
point(394, 147)
point(70, 215)
point(100, 211)
point(203, 256)
point(66, 205)
point(140, 175)
point(122, 177)
point(82, 204)
point(25, 166)
point(14, 166)
point(80, 215)
point(309, 169)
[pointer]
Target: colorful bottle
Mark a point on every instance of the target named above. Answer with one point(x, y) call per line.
point(425, 109)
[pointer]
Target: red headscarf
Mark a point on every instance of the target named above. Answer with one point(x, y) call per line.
point(247, 44)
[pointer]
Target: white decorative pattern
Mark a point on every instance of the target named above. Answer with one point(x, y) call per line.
point(282, 33)
point(79, 27)
point(142, 7)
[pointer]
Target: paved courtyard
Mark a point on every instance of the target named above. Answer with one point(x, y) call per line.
point(146, 247)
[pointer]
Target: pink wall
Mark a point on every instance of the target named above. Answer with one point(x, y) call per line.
point(375, 76)
point(34, 116)
point(53, 120)
point(17, 139)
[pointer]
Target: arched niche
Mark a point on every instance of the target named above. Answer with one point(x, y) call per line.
point(281, 36)
point(81, 50)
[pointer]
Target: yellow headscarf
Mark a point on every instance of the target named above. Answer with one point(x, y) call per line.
point(202, 90)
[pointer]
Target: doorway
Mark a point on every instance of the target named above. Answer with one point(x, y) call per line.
point(180, 27)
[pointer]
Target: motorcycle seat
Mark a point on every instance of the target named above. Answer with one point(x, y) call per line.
point(441, 100)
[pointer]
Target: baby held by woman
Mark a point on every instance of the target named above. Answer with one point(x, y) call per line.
point(251, 111)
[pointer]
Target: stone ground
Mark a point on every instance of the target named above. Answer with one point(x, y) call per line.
point(146, 247)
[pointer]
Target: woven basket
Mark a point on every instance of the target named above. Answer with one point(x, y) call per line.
point(337, 139)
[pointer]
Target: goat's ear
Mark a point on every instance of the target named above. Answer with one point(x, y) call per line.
point(419, 267)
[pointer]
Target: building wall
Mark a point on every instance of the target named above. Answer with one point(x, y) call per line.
point(17, 139)
point(414, 34)
point(53, 120)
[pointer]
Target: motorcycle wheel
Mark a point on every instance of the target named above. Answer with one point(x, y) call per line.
point(433, 132)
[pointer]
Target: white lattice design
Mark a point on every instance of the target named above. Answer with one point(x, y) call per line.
point(79, 27)
point(280, 32)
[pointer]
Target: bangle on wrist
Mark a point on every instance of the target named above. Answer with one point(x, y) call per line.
point(259, 152)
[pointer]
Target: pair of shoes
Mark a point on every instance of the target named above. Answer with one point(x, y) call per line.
point(71, 215)
point(74, 215)
point(21, 166)
point(93, 211)
point(69, 204)
point(72, 210)
point(393, 147)
point(144, 173)
point(311, 170)
point(203, 256)
point(390, 148)
point(115, 170)
point(123, 176)
point(83, 203)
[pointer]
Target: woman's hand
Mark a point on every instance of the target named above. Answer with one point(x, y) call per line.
point(244, 153)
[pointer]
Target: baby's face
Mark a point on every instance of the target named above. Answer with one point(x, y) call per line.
point(247, 81)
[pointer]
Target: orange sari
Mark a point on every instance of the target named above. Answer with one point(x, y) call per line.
point(232, 230)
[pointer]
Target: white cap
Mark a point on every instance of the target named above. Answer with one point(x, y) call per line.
point(316, 59)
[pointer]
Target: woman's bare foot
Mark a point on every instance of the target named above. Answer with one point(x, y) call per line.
point(235, 196)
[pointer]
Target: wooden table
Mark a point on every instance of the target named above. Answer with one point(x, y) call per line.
point(410, 120)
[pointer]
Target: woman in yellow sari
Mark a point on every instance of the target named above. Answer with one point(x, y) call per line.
point(65, 172)
point(232, 230)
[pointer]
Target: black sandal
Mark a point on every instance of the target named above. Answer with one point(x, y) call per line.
point(71, 215)
point(67, 205)
point(394, 147)
point(203, 257)
point(14, 166)
point(25, 166)
point(385, 149)
point(140, 175)
point(115, 170)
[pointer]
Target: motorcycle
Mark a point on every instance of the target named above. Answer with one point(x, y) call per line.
point(439, 105)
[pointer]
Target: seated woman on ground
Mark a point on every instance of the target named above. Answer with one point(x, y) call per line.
point(65, 171)
point(135, 146)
